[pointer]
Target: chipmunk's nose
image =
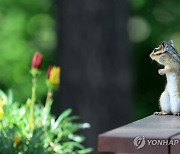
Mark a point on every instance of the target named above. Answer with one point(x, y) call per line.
point(151, 55)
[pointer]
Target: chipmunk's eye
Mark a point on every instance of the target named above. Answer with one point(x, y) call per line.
point(155, 50)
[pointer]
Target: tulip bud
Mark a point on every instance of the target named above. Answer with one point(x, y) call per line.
point(36, 63)
point(37, 60)
point(49, 71)
point(53, 77)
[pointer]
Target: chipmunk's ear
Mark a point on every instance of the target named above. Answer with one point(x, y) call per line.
point(170, 48)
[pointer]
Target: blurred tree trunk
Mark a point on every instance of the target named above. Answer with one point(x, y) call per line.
point(93, 52)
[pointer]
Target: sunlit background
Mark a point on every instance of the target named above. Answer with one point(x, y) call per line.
point(83, 37)
point(25, 27)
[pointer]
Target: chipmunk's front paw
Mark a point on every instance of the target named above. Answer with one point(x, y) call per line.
point(161, 72)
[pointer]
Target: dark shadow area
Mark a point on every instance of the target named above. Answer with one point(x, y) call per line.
point(94, 54)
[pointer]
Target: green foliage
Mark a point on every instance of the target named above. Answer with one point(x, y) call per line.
point(26, 128)
point(25, 27)
point(50, 135)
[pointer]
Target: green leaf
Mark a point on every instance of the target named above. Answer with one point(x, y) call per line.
point(65, 114)
point(10, 96)
point(84, 151)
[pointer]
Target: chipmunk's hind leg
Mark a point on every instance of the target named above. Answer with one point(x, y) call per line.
point(164, 104)
point(175, 105)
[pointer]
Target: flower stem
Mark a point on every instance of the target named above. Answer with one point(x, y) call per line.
point(48, 100)
point(47, 106)
point(33, 99)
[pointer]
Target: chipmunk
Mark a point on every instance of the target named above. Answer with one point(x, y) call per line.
point(166, 54)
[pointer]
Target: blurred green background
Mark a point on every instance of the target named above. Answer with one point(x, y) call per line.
point(151, 22)
point(29, 26)
point(25, 27)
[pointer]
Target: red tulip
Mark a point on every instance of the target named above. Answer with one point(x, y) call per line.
point(49, 71)
point(37, 60)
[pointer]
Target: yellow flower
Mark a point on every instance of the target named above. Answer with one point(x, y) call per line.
point(54, 76)
point(17, 140)
point(1, 112)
